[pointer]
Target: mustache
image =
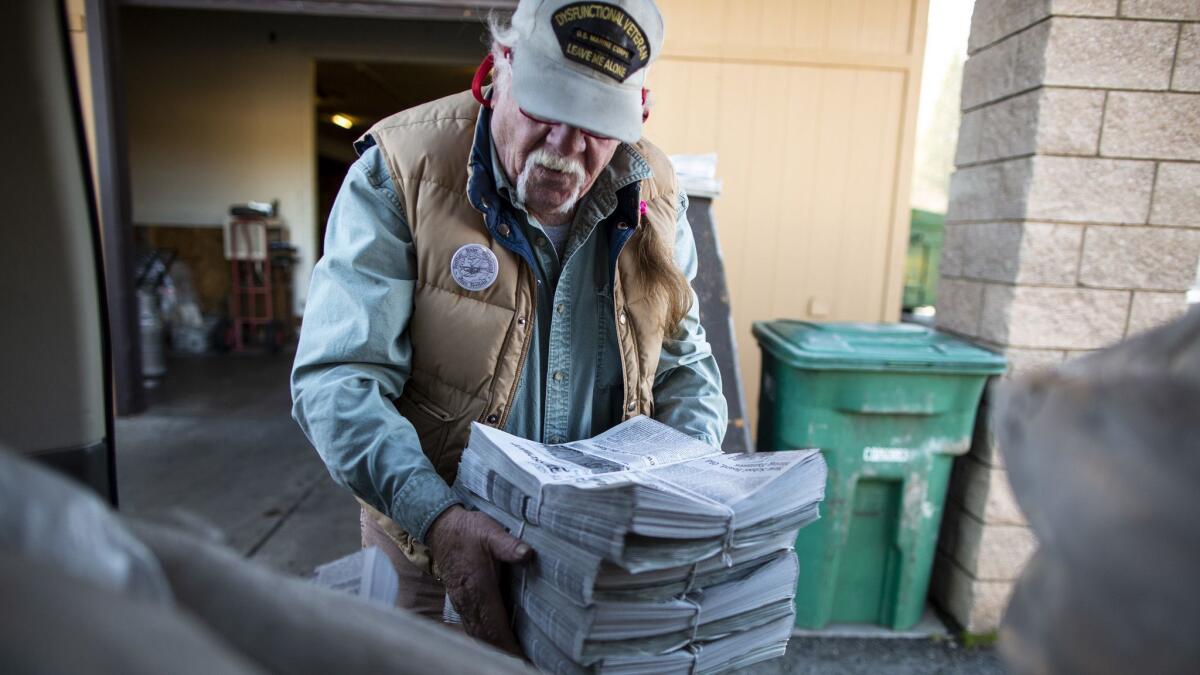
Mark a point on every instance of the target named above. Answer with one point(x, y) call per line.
point(555, 162)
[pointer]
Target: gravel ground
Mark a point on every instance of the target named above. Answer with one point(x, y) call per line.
point(892, 656)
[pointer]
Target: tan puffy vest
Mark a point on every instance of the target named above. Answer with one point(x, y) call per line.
point(468, 348)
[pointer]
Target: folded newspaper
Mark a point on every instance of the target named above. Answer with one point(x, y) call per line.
point(655, 552)
point(366, 573)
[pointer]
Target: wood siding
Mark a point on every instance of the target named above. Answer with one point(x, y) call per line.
point(811, 107)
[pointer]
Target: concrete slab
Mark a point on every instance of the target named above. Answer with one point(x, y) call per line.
point(218, 442)
point(323, 527)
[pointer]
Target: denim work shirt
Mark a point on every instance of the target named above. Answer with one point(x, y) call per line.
point(354, 354)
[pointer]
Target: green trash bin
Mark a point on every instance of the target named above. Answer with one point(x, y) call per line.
point(924, 254)
point(889, 405)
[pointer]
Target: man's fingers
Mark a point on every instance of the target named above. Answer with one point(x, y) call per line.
point(468, 548)
point(503, 546)
point(484, 617)
point(507, 548)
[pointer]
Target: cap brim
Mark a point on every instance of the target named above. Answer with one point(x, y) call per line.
point(548, 89)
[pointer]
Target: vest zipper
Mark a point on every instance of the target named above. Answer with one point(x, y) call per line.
point(618, 308)
point(512, 393)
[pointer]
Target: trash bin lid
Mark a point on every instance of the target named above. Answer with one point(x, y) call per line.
point(873, 346)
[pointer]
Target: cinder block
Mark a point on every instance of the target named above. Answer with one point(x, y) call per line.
point(1069, 121)
point(969, 129)
point(1176, 195)
point(996, 19)
point(1183, 10)
point(1053, 318)
point(1152, 125)
point(993, 20)
point(955, 238)
point(952, 515)
point(984, 446)
point(992, 251)
point(1046, 120)
point(1086, 189)
point(1143, 258)
point(991, 552)
point(1151, 310)
point(1012, 65)
point(959, 304)
point(1022, 361)
point(978, 606)
point(985, 493)
point(1109, 54)
point(1187, 59)
point(1084, 7)
point(1031, 253)
point(1009, 127)
point(990, 192)
point(1049, 253)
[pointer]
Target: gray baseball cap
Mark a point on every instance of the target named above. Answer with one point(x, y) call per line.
point(584, 63)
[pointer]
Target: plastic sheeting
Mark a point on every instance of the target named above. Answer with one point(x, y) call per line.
point(47, 519)
point(86, 592)
point(1104, 459)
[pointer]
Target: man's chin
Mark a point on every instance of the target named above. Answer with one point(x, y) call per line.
point(551, 201)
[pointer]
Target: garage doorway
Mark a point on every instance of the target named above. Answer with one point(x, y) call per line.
point(351, 96)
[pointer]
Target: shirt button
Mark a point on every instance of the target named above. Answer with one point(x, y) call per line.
point(559, 376)
point(622, 225)
point(503, 229)
point(542, 241)
point(621, 317)
point(521, 321)
point(557, 439)
point(492, 419)
point(632, 406)
point(561, 307)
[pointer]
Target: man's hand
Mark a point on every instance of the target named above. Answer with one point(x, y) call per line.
point(468, 548)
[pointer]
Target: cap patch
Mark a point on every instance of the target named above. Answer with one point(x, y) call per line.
point(602, 37)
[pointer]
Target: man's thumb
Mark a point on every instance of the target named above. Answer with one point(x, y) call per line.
point(509, 549)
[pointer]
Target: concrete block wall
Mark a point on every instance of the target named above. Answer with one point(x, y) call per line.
point(1074, 222)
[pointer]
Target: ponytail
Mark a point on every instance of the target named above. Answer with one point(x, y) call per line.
point(662, 278)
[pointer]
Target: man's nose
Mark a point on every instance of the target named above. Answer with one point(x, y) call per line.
point(566, 140)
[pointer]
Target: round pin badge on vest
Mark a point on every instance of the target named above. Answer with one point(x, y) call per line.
point(474, 267)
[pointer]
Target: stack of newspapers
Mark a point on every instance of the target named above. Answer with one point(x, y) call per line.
point(656, 553)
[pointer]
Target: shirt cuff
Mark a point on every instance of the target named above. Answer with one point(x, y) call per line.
point(422, 499)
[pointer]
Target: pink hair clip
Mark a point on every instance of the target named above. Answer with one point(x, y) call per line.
point(642, 208)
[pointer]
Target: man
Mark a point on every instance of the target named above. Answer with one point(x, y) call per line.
point(518, 259)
